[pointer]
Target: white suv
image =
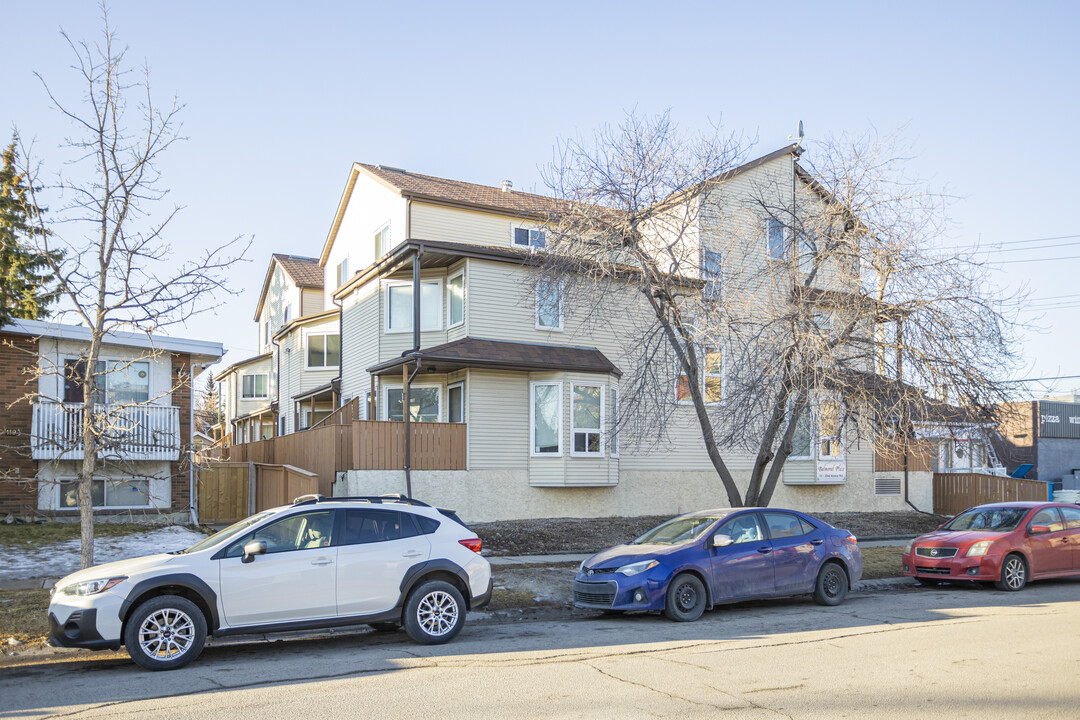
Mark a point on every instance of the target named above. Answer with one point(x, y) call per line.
point(318, 563)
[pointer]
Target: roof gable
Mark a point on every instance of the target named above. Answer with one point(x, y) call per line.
point(303, 272)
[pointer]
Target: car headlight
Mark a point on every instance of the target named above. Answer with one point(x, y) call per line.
point(979, 549)
point(907, 548)
point(93, 587)
point(637, 568)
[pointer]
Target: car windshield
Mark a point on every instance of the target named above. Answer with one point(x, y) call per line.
point(229, 532)
point(677, 530)
point(998, 519)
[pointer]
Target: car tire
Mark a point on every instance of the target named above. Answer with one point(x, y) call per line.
point(832, 585)
point(685, 598)
point(1014, 574)
point(165, 633)
point(384, 627)
point(434, 612)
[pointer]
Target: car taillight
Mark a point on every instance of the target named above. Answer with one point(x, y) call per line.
point(851, 539)
point(474, 544)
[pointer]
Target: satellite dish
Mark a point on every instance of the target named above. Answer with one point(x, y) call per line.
point(799, 139)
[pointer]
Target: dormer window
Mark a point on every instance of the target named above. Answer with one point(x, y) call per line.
point(528, 238)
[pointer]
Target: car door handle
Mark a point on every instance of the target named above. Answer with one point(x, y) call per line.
point(764, 549)
point(322, 561)
point(411, 554)
point(818, 541)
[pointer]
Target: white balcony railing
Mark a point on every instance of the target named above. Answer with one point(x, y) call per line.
point(127, 432)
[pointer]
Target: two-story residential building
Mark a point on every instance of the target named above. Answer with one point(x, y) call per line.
point(145, 392)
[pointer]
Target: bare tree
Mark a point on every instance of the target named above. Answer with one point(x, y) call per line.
point(778, 305)
point(118, 271)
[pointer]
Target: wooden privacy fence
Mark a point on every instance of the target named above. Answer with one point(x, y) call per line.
point(956, 492)
point(230, 491)
point(358, 445)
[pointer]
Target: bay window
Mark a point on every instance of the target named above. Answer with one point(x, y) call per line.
point(545, 419)
point(587, 414)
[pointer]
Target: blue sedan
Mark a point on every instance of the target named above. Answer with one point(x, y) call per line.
point(695, 561)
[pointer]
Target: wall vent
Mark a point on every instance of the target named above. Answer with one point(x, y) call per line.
point(886, 486)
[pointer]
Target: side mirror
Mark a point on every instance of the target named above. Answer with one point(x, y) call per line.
point(721, 540)
point(1038, 529)
point(253, 548)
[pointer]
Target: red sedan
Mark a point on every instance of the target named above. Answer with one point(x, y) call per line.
point(1004, 543)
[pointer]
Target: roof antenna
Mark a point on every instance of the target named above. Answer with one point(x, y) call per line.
point(798, 140)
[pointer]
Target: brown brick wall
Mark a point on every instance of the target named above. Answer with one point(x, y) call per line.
point(18, 360)
point(181, 487)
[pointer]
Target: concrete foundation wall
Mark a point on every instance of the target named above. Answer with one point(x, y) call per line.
point(489, 495)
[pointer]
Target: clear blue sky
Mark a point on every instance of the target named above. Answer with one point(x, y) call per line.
point(283, 97)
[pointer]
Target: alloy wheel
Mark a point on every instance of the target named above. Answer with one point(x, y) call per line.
point(437, 613)
point(166, 634)
point(1015, 573)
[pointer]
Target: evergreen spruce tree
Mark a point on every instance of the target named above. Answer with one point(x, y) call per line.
point(26, 289)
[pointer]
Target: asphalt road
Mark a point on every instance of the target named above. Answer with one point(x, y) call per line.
point(951, 653)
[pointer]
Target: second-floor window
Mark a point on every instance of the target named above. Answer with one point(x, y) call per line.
point(115, 381)
point(342, 272)
point(774, 235)
point(455, 299)
point(549, 310)
point(254, 387)
point(382, 241)
point(323, 351)
point(288, 313)
point(711, 274)
point(399, 307)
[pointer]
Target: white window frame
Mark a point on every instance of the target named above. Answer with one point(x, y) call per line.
point(717, 279)
point(532, 418)
point(808, 414)
point(386, 400)
point(613, 444)
point(304, 349)
point(460, 273)
point(514, 227)
point(450, 386)
point(783, 241)
point(574, 429)
point(388, 246)
point(266, 332)
point(408, 283)
point(704, 378)
point(536, 309)
point(254, 386)
point(820, 436)
point(68, 479)
point(288, 313)
point(342, 271)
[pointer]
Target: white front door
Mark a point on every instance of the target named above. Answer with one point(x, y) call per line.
point(295, 580)
point(377, 549)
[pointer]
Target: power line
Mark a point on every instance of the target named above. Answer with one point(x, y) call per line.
point(1059, 377)
point(1013, 242)
point(1042, 259)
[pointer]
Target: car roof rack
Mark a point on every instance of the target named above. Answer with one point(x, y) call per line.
point(378, 499)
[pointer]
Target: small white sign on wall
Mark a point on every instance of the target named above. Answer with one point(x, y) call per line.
point(831, 471)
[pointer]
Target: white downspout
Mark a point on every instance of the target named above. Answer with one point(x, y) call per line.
point(191, 445)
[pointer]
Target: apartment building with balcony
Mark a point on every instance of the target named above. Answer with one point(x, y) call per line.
point(143, 402)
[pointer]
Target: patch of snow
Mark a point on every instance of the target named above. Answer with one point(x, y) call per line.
point(62, 558)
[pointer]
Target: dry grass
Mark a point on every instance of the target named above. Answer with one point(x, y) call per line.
point(51, 532)
point(24, 616)
point(882, 562)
